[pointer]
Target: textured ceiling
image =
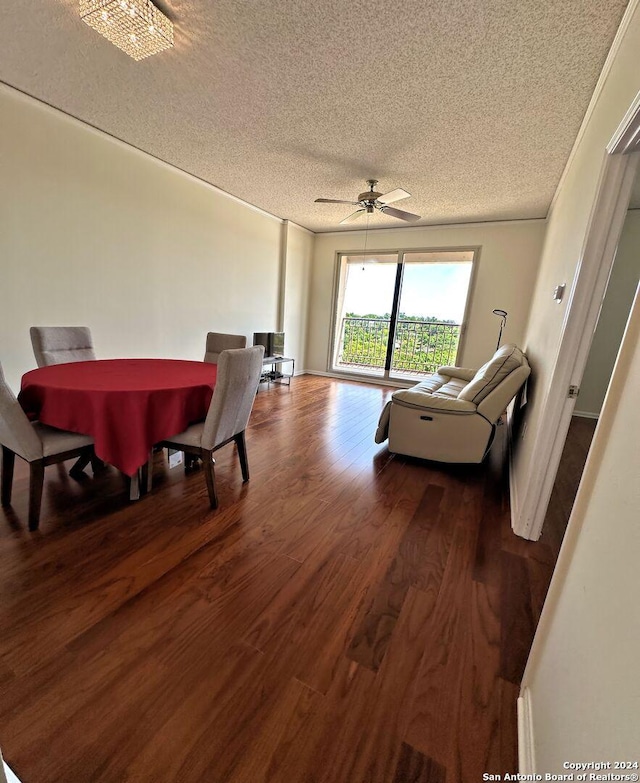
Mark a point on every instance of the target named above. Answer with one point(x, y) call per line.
point(470, 105)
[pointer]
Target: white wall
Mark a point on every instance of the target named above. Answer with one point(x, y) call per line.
point(297, 274)
point(93, 232)
point(565, 239)
point(581, 681)
point(613, 317)
point(6, 774)
point(505, 276)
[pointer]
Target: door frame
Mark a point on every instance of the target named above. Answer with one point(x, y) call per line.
point(618, 170)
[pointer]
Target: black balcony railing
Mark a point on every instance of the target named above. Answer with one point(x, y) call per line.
point(420, 347)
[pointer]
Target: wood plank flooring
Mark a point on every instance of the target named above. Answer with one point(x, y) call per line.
point(348, 616)
point(565, 487)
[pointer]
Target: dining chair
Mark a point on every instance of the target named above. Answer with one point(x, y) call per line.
point(61, 344)
point(35, 443)
point(218, 342)
point(237, 380)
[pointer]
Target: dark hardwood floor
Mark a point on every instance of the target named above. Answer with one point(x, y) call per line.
point(348, 616)
point(565, 487)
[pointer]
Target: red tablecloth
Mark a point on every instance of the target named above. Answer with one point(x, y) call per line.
point(126, 405)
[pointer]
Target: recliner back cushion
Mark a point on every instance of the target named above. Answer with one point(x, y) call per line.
point(490, 375)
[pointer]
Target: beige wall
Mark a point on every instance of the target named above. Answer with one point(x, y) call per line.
point(581, 681)
point(297, 273)
point(505, 276)
point(613, 317)
point(566, 233)
point(93, 232)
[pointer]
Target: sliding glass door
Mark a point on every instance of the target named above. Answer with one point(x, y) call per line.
point(365, 301)
point(401, 314)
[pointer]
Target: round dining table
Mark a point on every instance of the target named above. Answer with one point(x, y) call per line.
point(125, 405)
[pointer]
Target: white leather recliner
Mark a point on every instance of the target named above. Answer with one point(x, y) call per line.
point(451, 416)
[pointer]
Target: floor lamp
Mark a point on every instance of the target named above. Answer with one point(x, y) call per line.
point(503, 316)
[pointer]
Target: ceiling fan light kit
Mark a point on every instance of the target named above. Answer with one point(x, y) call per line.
point(135, 26)
point(371, 200)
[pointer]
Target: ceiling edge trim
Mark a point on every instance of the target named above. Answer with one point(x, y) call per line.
point(439, 226)
point(602, 79)
point(302, 228)
point(27, 97)
point(626, 139)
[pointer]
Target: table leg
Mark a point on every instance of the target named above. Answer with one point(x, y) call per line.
point(147, 474)
point(134, 486)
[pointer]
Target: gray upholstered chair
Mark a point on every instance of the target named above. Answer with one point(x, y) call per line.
point(61, 344)
point(35, 443)
point(218, 342)
point(237, 380)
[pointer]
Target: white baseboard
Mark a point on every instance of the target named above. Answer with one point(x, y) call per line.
point(526, 748)
point(513, 492)
point(513, 489)
point(586, 414)
point(11, 778)
point(361, 379)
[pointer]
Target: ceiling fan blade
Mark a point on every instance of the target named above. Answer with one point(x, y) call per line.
point(334, 201)
point(394, 195)
point(354, 216)
point(399, 213)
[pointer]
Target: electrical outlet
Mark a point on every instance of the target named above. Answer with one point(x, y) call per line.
point(558, 293)
point(175, 458)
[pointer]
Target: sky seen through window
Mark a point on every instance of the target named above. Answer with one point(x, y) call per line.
point(434, 289)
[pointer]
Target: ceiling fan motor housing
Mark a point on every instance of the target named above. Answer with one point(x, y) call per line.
point(369, 195)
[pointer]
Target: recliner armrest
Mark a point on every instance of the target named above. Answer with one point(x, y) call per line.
point(457, 372)
point(411, 398)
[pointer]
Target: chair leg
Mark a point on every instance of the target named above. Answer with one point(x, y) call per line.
point(210, 477)
point(97, 465)
point(36, 483)
point(8, 461)
point(190, 462)
point(77, 469)
point(241, 445)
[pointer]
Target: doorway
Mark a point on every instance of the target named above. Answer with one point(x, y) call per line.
point(531, 501)
point(400, 315)
point(607, 336)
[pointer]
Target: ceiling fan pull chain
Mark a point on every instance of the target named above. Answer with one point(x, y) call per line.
point(366, 235)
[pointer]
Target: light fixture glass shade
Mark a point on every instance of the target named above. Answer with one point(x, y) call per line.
point(135, 26)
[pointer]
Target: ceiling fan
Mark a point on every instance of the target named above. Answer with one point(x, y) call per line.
point(371, 200)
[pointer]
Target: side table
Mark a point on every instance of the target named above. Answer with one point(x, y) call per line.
point(274, 372)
